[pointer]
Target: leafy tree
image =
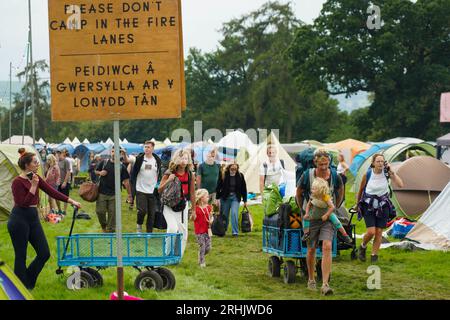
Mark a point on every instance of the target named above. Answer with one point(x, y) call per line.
point(405, 64)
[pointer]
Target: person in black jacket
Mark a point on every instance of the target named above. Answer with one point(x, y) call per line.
point(145, 174)
point(231, 189)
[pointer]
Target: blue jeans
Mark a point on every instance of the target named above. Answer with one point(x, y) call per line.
point(231, 203)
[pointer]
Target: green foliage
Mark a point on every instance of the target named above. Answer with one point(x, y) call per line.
point(405, 64)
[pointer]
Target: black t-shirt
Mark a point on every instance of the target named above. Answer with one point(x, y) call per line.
point(107, 183)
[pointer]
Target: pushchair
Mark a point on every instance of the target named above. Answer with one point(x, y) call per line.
point(350, 228)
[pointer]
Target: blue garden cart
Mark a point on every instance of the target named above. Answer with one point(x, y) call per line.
point(287, 248)
point(145, 252)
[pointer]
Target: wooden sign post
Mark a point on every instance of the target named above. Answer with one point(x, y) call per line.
point(116, 60)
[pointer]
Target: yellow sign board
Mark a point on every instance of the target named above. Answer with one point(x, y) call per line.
point(116, 60)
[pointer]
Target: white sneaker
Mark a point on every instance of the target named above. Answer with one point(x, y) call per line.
point(202, 265)
point(139, 228)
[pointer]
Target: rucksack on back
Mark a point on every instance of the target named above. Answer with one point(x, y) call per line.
point(172, 194)
point(305, 160)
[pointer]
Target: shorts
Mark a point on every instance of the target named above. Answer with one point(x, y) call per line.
point(320, 231)
point(64, 191)
point(372, 220)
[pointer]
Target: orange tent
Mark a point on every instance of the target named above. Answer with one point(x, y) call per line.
point(350, 148)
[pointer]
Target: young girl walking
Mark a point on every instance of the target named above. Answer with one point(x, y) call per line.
point(202, 223)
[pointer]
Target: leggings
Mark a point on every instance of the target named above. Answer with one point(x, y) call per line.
point(333, 219)
point(24, 226)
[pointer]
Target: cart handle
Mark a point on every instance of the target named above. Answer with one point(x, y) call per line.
point(75, 211)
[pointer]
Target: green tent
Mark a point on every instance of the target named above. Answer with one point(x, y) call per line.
point(396, 153)
point(9, 169)
point(10, 286)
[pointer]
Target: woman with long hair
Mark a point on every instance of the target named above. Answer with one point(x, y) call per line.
point(180, 167)
point(53, 178)
point(231, 189)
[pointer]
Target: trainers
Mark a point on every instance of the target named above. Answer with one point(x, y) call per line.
point(305, 237)
point(362, 253)
point(374, 258)
point(326, 290)
point(312, 285)
point(202, 265)
point(347, 240)
point(139, 228)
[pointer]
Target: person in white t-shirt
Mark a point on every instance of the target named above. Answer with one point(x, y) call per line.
point(272, 171)
point(145, 174)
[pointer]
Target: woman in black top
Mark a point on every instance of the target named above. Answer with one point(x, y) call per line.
point(231, 189)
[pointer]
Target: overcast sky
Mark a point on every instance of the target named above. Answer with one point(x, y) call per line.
point(201, 21)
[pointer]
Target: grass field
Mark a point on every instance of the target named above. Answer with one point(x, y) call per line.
point(237, 269)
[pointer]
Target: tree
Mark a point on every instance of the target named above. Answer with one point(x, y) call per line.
point(405, 64)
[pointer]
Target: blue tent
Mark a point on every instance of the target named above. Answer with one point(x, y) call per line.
point(132, 148)
point(359, 159)
point(84, 150)
point(63, 146)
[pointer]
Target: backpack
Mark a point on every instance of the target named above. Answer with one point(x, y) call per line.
point(266, 169)
point(172, 195)
point(287, 219)
point(305, 161)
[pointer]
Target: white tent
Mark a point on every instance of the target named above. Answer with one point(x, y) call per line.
point(109, 141)
point(125, 140)
point(251, 167)
point(76, 142)
point(67, 141)
point(404, 140)
point(41, 141)
point(167, 142)
point(86, 141)
point(237, 140)
point(433, 228)
point(18, 140)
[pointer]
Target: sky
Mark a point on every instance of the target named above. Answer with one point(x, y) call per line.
point(202, 20)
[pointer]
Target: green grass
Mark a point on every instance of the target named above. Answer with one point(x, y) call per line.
point(237, 269)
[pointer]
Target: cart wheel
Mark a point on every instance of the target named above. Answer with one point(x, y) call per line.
point(289, 271)
point(80, 280)
point(353, 255)
point(274, 266)
point(304, 267)
point(168, 278)
point(98, 279)
point(148, 280)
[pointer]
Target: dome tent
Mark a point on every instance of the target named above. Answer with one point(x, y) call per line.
point(10, 286)
point(424, 178)
point(9, 169)
point(83, 152)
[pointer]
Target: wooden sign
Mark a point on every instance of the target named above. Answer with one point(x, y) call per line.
point(116, 60)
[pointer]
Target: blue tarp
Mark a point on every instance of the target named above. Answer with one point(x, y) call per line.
point(83, 151)
point(359, 159)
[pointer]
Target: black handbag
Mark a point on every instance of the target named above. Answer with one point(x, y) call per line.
point(246, 220)
point(218, 226)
